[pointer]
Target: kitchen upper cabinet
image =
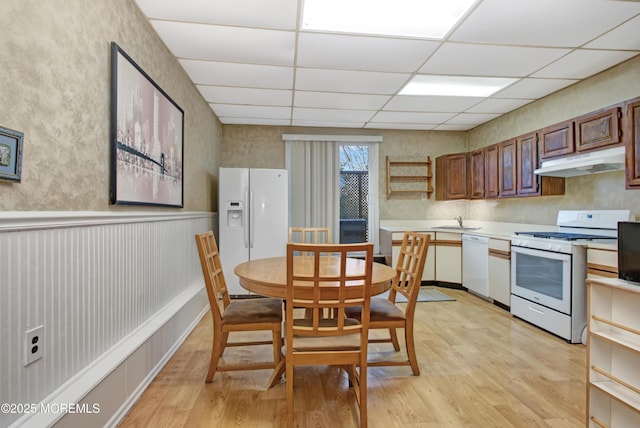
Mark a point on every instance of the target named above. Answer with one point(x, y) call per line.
point(491, 172)
point(452, 176)
point(527, 156)
point(632, 139)
point(557, 140)
point(507, 162)
point(477, 175)
point(528, 183)
point(598, 129)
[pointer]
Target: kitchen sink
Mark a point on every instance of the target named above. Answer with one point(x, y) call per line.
point(456, 227)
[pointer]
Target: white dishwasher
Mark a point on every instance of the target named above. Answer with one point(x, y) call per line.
point(475, 264)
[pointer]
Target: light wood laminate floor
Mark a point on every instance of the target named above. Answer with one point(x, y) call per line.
point(480, 367)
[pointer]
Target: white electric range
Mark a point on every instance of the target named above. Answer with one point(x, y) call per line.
point(549, 270)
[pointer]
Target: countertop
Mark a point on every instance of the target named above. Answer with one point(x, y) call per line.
point(490, 229)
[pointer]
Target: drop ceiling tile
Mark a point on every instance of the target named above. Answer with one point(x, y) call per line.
point(471, 118)
point(485, 60)
point(243, 75)
point(583, 63)
point(359, 82)
point(333, 115)
point(411, 117)
point(342, 52)
point(232, 110)
point(621, 38)
point(385, 125)
point(339, 101)
point(324, 124)
point(277, 14)
point(497, 105)
point(543, 22)
point(533, 88)
point(227, 44)
point(254, 121)
point(229, 95)
point(433, 104)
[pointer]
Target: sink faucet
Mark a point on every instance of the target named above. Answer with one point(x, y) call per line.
point(459, 220)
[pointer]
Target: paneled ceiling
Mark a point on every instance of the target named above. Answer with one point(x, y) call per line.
point(254, 64)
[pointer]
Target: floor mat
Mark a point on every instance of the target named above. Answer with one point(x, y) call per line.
point(424, 295)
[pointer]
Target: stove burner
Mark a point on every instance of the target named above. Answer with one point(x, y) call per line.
point(564, 236)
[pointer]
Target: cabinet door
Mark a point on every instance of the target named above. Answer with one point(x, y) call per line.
point(598, 129)
point(451, 176)
point(477, 175)
point(457, 176)
point(448, 257)
point(632, 137)
point(527, 150)
point(557, 140)
point(507, 151)
point(500, 271)
point(491, 172)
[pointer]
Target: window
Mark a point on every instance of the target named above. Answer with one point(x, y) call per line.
point(334, 182)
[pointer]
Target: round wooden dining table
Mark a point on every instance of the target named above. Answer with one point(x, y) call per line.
point(268, 277)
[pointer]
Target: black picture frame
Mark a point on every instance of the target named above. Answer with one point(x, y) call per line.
point(147, 138)
point(11, 154)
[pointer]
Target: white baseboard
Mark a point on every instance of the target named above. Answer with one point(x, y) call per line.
point(101, 382)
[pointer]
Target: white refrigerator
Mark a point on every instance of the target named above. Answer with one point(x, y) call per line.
point(254, 218)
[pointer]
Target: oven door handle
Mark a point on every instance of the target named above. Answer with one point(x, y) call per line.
point(541, 253)
point(537, 311)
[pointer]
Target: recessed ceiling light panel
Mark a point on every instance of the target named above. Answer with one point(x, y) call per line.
point(409, 18)
point(457, 86)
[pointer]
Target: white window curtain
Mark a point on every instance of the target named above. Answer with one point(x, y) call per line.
point(314, 173)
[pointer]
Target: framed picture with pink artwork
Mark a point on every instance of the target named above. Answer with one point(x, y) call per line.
point(147, 133)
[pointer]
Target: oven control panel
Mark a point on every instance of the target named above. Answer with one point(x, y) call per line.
point(542, 244)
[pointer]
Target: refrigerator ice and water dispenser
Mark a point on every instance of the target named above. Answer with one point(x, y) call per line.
point(234, 214)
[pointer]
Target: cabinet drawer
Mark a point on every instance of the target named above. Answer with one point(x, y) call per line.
point(499, 245)
point(602, 262)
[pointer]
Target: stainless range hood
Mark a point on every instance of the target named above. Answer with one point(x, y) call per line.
point(584, 164)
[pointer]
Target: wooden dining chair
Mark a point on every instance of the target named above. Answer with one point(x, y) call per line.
point(254, 314)
point(310, 235)
point(385, 314)
point(318, 340)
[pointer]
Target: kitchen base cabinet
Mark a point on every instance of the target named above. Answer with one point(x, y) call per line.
point(390, 244)
point(500, 272)
point(448, 248)
point(613, 353)
point(602, 263)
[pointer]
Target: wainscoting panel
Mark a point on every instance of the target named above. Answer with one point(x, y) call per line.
point(94, 281)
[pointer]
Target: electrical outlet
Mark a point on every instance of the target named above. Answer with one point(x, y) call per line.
point(423, 196)
point(33, 344)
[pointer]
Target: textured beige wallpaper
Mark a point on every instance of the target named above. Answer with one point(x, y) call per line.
point(262, 147)
point(55, 86)
point(599, 191)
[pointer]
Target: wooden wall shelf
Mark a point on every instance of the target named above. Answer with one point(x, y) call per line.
point(409, 172)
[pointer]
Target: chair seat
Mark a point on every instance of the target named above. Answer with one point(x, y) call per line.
point(381, 310)
point(325, 343)
point(260, 310)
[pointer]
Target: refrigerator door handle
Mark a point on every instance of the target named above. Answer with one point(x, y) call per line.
point(246, 217)
point(251, 226)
